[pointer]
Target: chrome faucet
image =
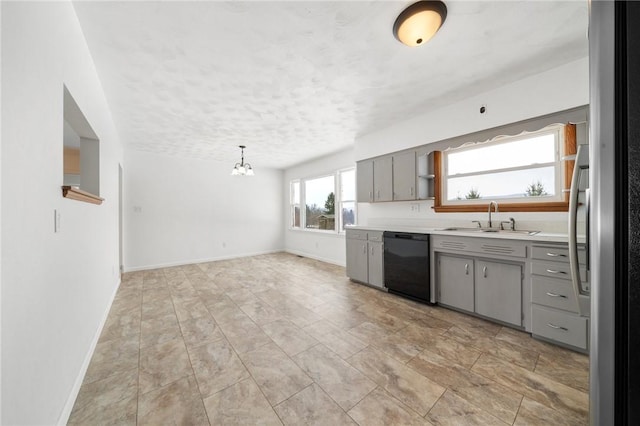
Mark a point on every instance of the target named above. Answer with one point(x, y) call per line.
point(496, 210)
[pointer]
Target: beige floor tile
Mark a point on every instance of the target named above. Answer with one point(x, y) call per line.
point(534, 386)
point(571, 369)
point(398, 347)
point(518, 355)
point(345, 384)
point(244, 335)
point(200, 330)
point(113, 356)
point(260, 312)
point(275, 373)
point(385, 320)
point(241, 404)
point(533, 414)
point(158, 330)
point(369, 333)
point(162, 364)
point(312, 406)
point(289, 337)
point(216, 366)
point(106, 391)
point(178, 403)
point(495, 399)
point(122, 324)
point(121, 413)
point(381, 409)
point(454, 411)
point(413, 390)
point(157, 308)
point(188, 309)
point(342, 343)
point(455, 352)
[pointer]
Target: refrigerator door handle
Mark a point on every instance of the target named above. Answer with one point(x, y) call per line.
point(573, 219)
point(587, 220)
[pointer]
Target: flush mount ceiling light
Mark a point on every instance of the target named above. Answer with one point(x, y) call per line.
point(419, 22)
point(242, 168)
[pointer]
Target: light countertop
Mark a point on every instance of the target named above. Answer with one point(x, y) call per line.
point(541, 236)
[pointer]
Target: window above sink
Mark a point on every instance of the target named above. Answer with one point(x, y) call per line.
point(525, 172)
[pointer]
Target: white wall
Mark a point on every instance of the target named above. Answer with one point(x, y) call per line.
point(556, 90)
point(56, 287)
point(179, 211)
point(328, 247)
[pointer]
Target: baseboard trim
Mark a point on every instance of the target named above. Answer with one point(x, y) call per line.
point(313, 256)
point(71, 400)
point(193, 261)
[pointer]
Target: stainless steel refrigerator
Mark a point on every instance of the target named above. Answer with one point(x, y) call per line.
point(614, 121)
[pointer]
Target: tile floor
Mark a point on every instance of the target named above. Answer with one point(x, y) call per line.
point(279, 339)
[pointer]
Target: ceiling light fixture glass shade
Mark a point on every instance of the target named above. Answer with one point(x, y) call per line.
point(242, 168)
point(419, 22)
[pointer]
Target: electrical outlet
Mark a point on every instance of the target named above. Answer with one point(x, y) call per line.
point(137, 209)
point(415, 207)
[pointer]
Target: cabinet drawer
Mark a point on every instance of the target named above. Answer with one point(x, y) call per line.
point(556, 254)
point(375, 236)
point(560, 326)
point(356, 235)
point(553, 292)
point(552, 269)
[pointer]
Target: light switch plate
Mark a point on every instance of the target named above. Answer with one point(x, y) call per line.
point(56, 220)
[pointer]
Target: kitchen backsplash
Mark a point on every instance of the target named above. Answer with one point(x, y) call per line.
point(421, 213)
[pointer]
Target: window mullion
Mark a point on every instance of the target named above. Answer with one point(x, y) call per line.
point(506, 169)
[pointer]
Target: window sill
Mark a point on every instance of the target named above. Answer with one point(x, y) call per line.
point(75, 193)
point(328, 233)
point(553, 206)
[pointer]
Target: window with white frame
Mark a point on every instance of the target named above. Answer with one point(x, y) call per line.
point(329, 202)
point(295, 204)
point(347, 182)
point(523, 169)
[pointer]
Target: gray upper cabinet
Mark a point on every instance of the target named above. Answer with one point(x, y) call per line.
point(383, 179)
point(499, 291)
point(404, 176)
point(456, 282)
point(364, 172)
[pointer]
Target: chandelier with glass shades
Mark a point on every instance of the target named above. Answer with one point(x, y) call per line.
point(242, 168)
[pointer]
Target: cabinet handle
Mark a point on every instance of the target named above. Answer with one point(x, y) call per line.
point(364, 249)
point(466, 269)
point(371, 250)
point(378, 194)
point(411, 191)
point(484, 272)
point(557, 327)
point(556, 295)
point(371, 195)
point(554, 271)
point(556, 255)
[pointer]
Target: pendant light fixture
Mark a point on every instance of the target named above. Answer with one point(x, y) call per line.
point(419, 22)
point(242, 168)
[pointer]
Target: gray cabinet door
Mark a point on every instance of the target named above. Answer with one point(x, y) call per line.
point(357, 260)
point(499, 291)
point(404, 176)
point(455, 281)
point(383, 179)
point(364, 181)
point(376, 272)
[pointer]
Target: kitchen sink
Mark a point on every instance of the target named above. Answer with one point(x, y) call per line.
point(491, 230)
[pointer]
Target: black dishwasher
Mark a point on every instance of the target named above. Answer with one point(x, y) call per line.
point(406, 265)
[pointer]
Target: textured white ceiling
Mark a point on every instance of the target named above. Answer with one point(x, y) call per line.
point(296, 80)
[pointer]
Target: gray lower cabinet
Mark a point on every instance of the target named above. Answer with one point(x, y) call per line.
point(498, 291)
point(365, 257)
point(357, 258)
point(375, 266)
point(456, 281)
